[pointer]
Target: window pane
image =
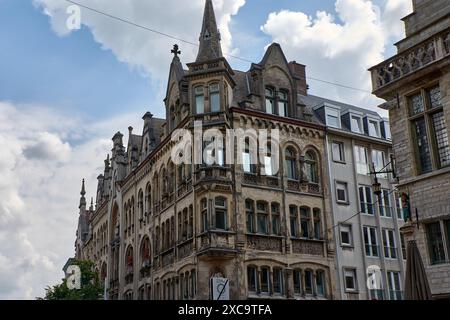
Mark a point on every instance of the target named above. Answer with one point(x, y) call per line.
point(264, 280)
point(378, 159)
point(361, 160)
point(356, 124)
point(341, 192)
point(338, 151)
point(423, 148)
point(435, 243)
point(417, 105)
point(434, 96)
point(374, 128)
point(200, 104)
point(297, 282)
point(440, 132)
point(308, 282)
point(215, 102)
point(251, 277)
point(350, 280)
point(332, 121)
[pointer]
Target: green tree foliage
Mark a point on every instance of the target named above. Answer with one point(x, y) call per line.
point(91, 287)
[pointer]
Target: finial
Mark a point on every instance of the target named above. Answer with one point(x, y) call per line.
point(175, 50)
point(130, 130)
point(83, 190)
point(91, 208)
point(107, 163)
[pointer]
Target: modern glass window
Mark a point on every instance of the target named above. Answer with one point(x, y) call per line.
point(214, 97)
point(394, 284)
point(282, 103)
point(262, 217)
point(374, 128)
point(251, 279)
point(337, 149)
point(370, 241)
point(291, 163)
point(297, 275)
point(204, 214)
point(435, 243)
point(362, 163)
point(403, 244)
point(221, 213)
point(378, 161)
point(270, 100)
point(277, 281)
point(265, 278)
point(199, 100)
point(365, 198)
point(250, 215)
point(429, 127)
point(293, 221)
point(384, 204)
point(275, 211)
point(390, 250)
point(304, 222)
point(341, 192)
point(345, 231)
point(350, 280)
point(356, 125)
point(311, 167)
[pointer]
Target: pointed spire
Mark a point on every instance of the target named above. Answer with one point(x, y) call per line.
point(107, 162)
point(210, 37)
point(91, 208)
point(82, 198)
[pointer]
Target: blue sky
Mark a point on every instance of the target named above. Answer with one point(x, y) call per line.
point(64, 94)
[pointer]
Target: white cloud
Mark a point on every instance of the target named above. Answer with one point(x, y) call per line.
point(340, 48)
point(142, 49)
point(41, 166)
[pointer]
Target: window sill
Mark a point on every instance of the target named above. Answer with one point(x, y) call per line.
point(348, 246)
point(339, 162)
point(424, 176)
point(343, 203)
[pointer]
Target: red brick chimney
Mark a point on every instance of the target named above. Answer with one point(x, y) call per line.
point(299, 72)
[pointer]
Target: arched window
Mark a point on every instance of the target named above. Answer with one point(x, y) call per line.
point(129, 260)
point(252, 279)
point(220, 208)
point(317, 225)
point(148, 202)
point(141, 205)
point(248, 158)
point(199, 100)
point(270, 100)
point(262, 217)
point(145, 253)
point(291, 163)
point(293, 214)
point(250, 215)
point(282, 103)
point(311, 167)
point(214, 97)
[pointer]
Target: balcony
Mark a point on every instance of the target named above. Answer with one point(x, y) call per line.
point(264, 242)
point(216, 242)
point(215, 172)
point(185, 249)
point(306, 246)
point(145, 268)
point(260, 180)
point(406, 63)
point(167, 257)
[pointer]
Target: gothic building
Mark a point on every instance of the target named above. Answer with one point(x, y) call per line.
point(162, 229)
point(416, 85)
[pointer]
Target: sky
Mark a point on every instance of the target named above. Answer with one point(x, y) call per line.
point(64, 93)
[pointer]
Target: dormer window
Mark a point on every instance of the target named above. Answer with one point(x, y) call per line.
point(333, 119)
point(356, 124)
point(374, 128)
point(199, 100)
point(214, 97)
point(270, 99)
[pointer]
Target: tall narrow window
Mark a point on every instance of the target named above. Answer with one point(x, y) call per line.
point(305, 222)
point(293, 221)
point(262, 217)
point(265, 276)
point(308, 282)
point(394, 283)
point(277, 281)
point(221, 213)
point(337, 149)
point(370, 241)
point(297, 275)
point(268, 164)
point(441, 138)
point(317, 224)
point(320, 283)
point(250, 215)
point(403, 244)
point(311, 167)
point(365, 198)
point(270, 100)
point(214, 97)
point(362, 164)
point(247, 157)
point(275, 212)
point(374, 128)
point(384, 204)
point(204, 214)
point(435, 243)
point(199, 100)
point(378, 160)
point(398, 206)
point(282, 103)
point(290, 163)
point(423, 148)
point(251, 279)
point(390, 250)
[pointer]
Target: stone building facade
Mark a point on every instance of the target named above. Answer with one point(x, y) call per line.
point(416, 85)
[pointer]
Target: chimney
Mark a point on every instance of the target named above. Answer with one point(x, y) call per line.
point(299, 72)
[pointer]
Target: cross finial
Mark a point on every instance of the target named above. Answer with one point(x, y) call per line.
point(175, 50)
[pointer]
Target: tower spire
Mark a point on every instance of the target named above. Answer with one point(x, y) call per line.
point(210, 48)
point(82, 198)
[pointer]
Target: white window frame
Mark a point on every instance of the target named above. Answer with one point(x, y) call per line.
point(345, 185)
point(359, 164)
point(388, 244)
point(379, 166)
point(366, 201)
point(369, 238)
point(341, 148)
point(391, 281)
point(360, 124)
point(335, 113)
point(352, 273)
point(348, 228)
point(377, 127)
